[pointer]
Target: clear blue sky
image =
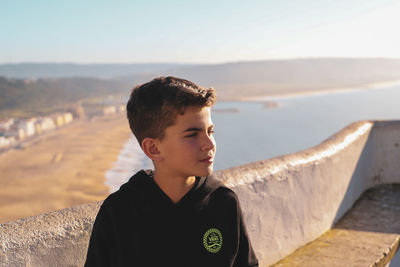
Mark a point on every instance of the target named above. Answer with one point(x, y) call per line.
point(207, 31)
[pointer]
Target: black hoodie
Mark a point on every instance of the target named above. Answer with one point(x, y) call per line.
point(140, 226)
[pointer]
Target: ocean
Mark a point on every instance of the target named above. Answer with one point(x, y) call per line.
point(273, 126)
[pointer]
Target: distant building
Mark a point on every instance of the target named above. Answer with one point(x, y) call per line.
point(61, 119)
point(6, 124)
point(68, 117)
point(16, 132)
point(44, 124)
point(3, 142)
point(58, 119)
point(28, 126)
point(77, 111)
point(109, 110)
point(121, 108)
point(38, 127)
point(18, 129)
point(6, 141)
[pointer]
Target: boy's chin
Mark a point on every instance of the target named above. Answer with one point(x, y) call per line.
point(207, 172)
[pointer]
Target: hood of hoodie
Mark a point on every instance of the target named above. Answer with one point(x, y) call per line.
point(143, 185)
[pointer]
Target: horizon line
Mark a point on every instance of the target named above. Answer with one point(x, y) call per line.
point(192, 63)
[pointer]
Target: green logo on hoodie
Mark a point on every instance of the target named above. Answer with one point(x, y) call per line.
point(212, 240)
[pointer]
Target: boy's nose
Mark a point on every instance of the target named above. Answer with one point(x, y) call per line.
point(208, 143)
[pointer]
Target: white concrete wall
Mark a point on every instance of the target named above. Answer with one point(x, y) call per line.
point(287, 201)
point(291, 200)
point(58, 238)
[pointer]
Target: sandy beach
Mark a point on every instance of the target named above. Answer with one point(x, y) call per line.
point(62, 168)
point(303, 93)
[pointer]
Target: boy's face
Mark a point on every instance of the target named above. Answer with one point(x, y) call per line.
point(188, 147)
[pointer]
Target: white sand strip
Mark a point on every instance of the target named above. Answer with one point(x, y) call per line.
point(130, 160)
point(343, 90)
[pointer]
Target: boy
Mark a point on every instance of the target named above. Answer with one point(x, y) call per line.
point(175, 215)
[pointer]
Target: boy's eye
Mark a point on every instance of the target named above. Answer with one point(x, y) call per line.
point(191, 135)
point(211, 131)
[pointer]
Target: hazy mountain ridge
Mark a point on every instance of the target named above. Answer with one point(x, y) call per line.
point(62, 70)
point(232, 80)
point(259, 78)
point(286, 76)
point(37, 97)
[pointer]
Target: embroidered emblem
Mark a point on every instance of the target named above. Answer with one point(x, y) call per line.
point(212, 240)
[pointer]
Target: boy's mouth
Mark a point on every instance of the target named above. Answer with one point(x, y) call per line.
point(208, 160)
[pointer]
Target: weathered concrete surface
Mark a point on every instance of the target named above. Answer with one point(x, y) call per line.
point(291, 200)
point(368, 235)
point(287, 201)
point(385, 142)
point(58, 238)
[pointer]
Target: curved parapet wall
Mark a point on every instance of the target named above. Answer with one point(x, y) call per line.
point(291, 200)
point(287, 201)
point(58, 238)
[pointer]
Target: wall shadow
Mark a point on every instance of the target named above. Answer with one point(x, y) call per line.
point(376, 209)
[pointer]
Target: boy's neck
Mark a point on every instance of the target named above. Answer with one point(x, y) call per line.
point(174, 187)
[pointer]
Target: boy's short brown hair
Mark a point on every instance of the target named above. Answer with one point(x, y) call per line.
point(153, 106)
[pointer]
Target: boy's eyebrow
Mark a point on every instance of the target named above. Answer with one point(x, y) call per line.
point(192, 129)
point(195, 129)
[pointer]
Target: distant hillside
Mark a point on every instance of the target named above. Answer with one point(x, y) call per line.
point(62, 70)
point(232, 80)
point(36, 97)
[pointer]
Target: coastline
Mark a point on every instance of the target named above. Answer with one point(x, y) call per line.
point(130, 160)
point(64, 169)
point(337, 90)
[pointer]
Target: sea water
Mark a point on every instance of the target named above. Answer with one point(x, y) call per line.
point(252, 131)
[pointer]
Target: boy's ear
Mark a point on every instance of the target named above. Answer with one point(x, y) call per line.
point(149, 147)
